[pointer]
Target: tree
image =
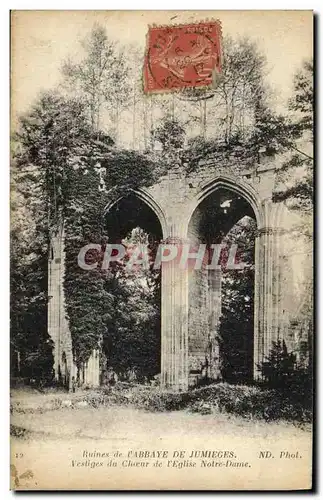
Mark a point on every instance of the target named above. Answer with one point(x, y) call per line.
point(302, 101)
point(297, 171)
point(55, 141)
point(279, 366)
point(99, 79)
point(30, 345)
point(66, 173)
point(232, 114)
point(170, 133)
point(240, 89)
point(138, 343)
point(236, 323)
point(54, 147)
point(133, 340)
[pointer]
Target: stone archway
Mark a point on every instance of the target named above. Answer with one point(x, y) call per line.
point(175, 303)
point(253, 200)
point(173, 200)
point(143, 195)
point(220, 214)
point(134, 220)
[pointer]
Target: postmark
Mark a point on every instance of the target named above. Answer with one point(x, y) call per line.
point(182, 56)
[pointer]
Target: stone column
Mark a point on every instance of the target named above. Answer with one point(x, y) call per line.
point(92, 369)
point(55, 306)
point(267, 293)
point(174, 323)
point(214, 281)
point(58, 328)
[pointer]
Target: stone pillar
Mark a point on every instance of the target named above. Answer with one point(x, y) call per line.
point(55, 306)
point(92, 369)
point(267, 293)
point(199, 344)
point(198, 322)
point(214, 279)
point(58, 328)
point(174, 324)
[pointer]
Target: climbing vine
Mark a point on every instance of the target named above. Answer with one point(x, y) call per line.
point(92, 297)
point(59, 160)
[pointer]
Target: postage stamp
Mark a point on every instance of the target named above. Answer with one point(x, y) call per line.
point(182, 56)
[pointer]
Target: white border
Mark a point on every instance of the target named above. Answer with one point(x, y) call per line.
point(166, 5)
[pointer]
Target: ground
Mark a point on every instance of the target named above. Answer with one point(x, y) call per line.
point(50, 446)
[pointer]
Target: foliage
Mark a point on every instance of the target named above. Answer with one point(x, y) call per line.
point(280, 371)
point(297, 171)
point(99, 79)
point(250, 402)
point(235, 109)
point(59, 166)
point(98, 301)
point(241, 86)
point(132, 343)
point(236, 323)
point(303, 99)
point(170, 133)
point(30, 345)
point(277, 370)
point(54, 142)
point(36, 166)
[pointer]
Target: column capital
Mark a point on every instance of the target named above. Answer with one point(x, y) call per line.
point(270, 231)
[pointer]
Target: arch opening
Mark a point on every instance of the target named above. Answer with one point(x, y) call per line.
point(242, 190)
point(133, 345)
point(221, 293)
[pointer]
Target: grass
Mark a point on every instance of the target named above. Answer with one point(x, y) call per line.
point(240, 400)
point(248, 402)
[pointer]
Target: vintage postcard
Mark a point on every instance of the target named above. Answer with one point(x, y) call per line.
point(161, 250)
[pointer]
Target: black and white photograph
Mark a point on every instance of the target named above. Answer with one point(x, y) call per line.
point(161, 250)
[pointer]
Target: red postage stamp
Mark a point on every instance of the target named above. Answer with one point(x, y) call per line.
point(182, 56)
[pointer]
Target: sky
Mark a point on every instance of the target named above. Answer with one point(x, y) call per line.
point(41, 40)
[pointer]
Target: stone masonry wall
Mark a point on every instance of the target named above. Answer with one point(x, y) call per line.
point(191, 302)
point(197, 309)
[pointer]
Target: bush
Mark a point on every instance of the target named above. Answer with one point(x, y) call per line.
point(251, 402)
point(240, 400)
point(281, 372)
point(279, 367)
